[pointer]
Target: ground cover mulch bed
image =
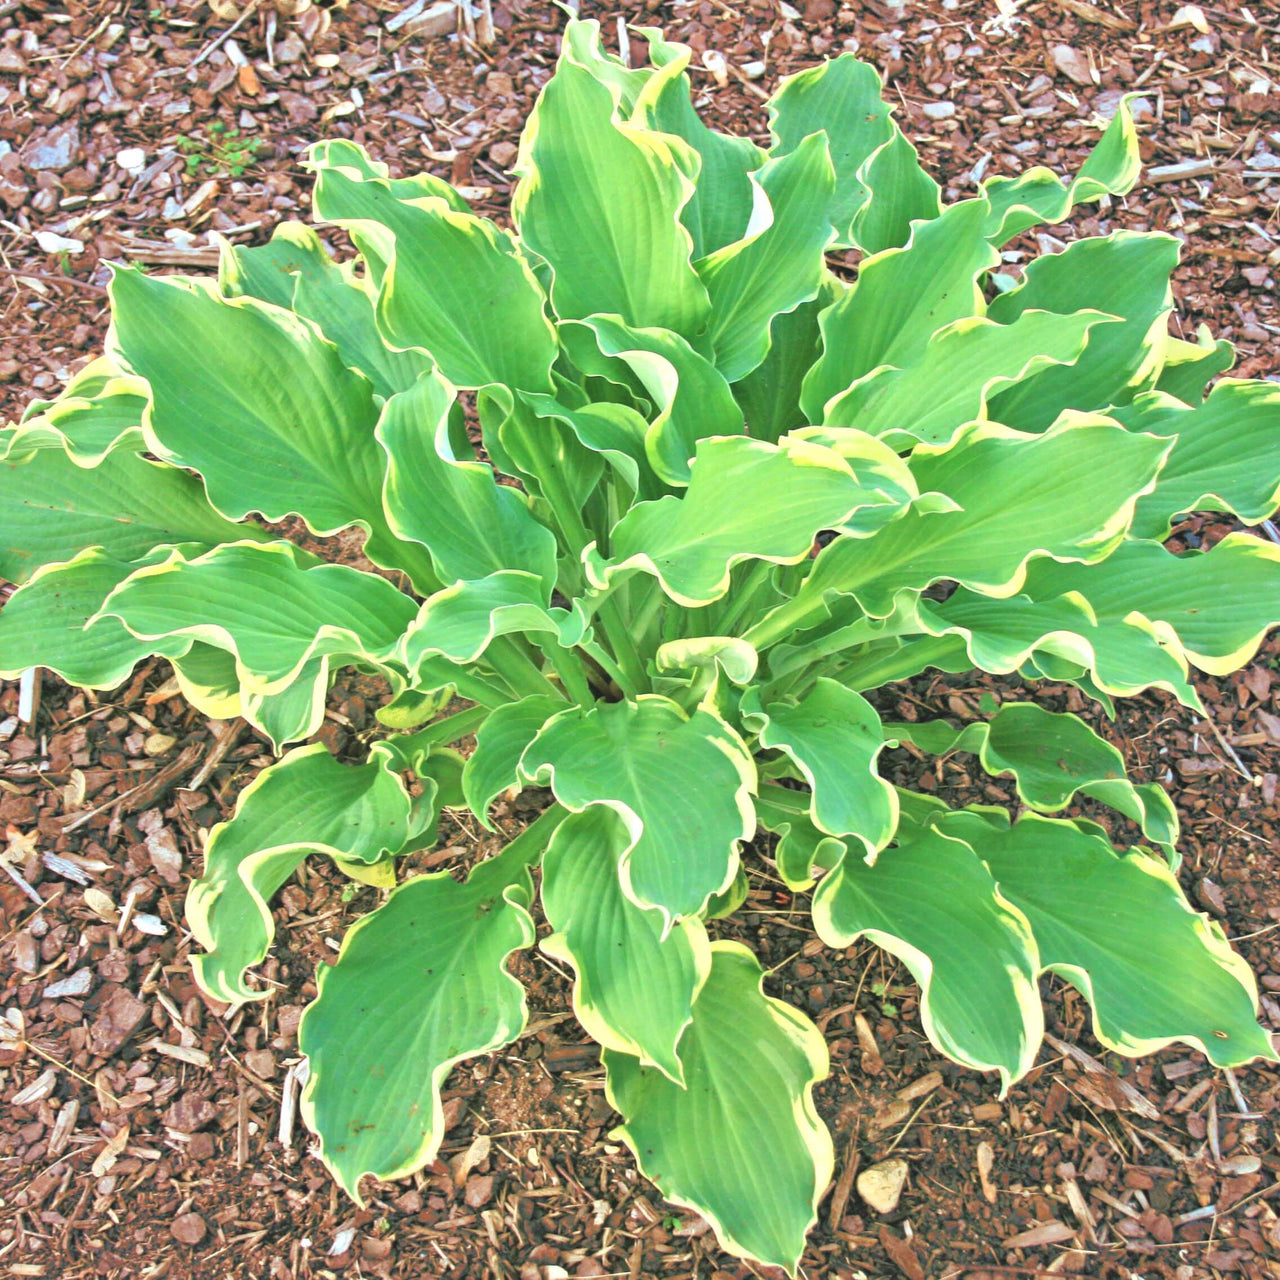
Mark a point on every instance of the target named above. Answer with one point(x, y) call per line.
point(141, 1130)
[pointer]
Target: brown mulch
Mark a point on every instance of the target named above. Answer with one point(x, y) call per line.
point(141, 1129)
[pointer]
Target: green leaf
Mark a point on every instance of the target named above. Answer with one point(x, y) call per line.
point(1069, 494)
point(1125, 274)
point(615, 431)
point(266, 386)
point(1052, 756)
point(99, 410)
point(294, 270)
point(500, 742)
point(1220, 603)
point(264, 604)
point(639, 759)
point(746, 500)
point(306, 803)
point(841, 97)
point(933, 905)
point(901, 298)
point(600, 201)
point(743, 1144)
point(582, 35)
point(769, 396)
point(1119, 930)
point(1123, 655)
point(802, 848)
point(471, 525)
point(454, 285)
point(963, 365)
point(51, 510)
point(1188, 366)
point(900, 192)
point(691, 395)
point(420, 984)
point(722, 200)
point(779, 262)
point(833, 735)
point(634, 987)
point(460, 622)
point(1227, 457)
point(1040, 196)
point(44, 624)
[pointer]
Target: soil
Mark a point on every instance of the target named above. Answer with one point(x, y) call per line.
point(141, 1134)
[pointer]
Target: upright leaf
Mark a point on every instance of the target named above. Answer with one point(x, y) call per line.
point(454, 286)
point(777, 265)
point(720, 206)
point(634, 988)
point(899, 192)
point(691, 395)
point(901, 298)
point(471, 525)
point(1125, 274)
point(742, 1144)
point(600, 201)
point(842, 98)
point(1040, 196)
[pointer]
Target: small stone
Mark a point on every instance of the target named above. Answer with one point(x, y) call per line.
point(117, 1020)
point(752, 70)
point(79, 983)
point(51, 242)
point(1072, 63)
point(191, 1112)
point(1235, 1166)
point(201, 1147)
point(132, 159)
point(165, 855)
point(26, 953)
point(939, 110)
point(881, 1185)
point(189, 1228)
point(262, 1062)
point(52, 152)
point(503, 153)
point(479, 1190)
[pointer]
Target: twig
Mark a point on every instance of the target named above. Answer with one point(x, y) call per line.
point(19, 273)
point(226, 35)
point(230, 736)
point(1229, 749)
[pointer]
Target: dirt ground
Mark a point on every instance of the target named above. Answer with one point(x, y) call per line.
point(141, 1131)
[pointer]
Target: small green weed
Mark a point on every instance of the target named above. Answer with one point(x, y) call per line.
point(226, 151)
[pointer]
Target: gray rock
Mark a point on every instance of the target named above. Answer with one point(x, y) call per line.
point(54, 151)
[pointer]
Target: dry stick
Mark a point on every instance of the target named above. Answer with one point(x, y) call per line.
point(844, 1185)
point(51, 279)
point(226, 35)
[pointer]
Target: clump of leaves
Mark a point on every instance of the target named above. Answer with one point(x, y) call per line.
point(741, 492)
point(225, 152)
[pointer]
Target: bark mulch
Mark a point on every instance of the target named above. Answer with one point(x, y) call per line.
point(146, 1134)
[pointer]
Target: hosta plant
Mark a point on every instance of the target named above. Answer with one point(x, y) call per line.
point(658, 486)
